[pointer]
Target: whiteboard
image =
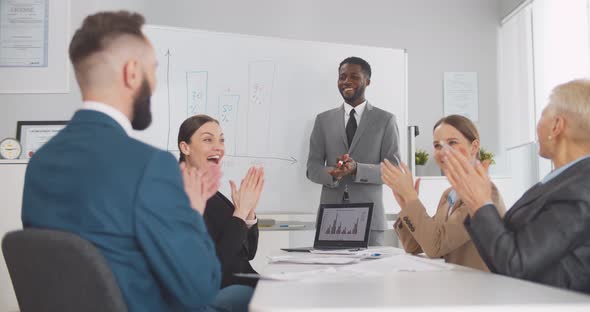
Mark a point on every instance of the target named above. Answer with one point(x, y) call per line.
point(265, 92)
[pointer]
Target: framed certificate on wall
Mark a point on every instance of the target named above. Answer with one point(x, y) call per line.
point(34, 40)
point(33, 134)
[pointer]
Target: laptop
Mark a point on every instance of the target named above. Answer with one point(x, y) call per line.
point(341, 226)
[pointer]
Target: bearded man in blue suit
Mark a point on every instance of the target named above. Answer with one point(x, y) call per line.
point(129, 199)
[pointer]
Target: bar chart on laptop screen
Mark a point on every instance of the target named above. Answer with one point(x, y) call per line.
point(345, 224)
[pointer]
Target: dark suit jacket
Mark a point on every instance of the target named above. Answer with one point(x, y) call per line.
point(545, 236)
point(236, 244)
point(128, 199)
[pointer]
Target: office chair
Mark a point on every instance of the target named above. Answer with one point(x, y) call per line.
point(59, 271)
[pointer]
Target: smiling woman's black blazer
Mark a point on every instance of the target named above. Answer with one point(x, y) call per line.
point(235, 244)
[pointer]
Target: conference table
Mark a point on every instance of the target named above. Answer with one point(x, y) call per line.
point(403, 282)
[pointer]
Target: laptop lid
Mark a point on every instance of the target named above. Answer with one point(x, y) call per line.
point(345, 225)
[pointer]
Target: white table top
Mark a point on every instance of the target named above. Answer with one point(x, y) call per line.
point(457, 289)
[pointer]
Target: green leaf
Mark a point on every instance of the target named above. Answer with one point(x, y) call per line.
point(421, 156)
point(485, 155)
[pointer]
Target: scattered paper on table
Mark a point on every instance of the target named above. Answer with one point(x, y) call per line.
point(315, 259)
point(401, 263)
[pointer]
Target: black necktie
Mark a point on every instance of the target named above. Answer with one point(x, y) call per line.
point(350, 127)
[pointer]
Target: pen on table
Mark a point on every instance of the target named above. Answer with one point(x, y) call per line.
point(291, 225)
point(248, 275)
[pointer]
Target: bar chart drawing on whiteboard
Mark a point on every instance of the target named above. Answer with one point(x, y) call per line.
point(228, 120)
point(260, 106)
point(196, 87)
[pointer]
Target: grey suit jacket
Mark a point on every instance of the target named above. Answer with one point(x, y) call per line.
point(376, 139)
point(545, 236)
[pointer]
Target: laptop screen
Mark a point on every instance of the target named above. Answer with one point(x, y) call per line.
point(344, 225)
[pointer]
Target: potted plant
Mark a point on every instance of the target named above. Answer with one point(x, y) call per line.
point(486, 155)
point(421, 159)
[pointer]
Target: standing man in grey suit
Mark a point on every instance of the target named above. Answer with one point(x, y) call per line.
point(359, 136)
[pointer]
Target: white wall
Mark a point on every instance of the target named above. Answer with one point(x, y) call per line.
point(506, 6)
point(450, 35)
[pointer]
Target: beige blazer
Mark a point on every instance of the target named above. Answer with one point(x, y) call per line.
point(444, 235)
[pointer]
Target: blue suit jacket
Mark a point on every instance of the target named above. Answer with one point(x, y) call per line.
point(128, 199)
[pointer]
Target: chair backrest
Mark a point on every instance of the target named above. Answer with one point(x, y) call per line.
point(59, 271)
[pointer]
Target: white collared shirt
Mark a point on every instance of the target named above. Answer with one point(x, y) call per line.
point(561, 169)
point(452, 198)
point(358, 112)
point(110, 111)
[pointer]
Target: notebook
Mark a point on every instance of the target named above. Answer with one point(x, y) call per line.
point(341, 226)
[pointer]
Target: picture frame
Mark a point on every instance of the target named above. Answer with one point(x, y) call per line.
point(33, 134)
point(51, 76)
